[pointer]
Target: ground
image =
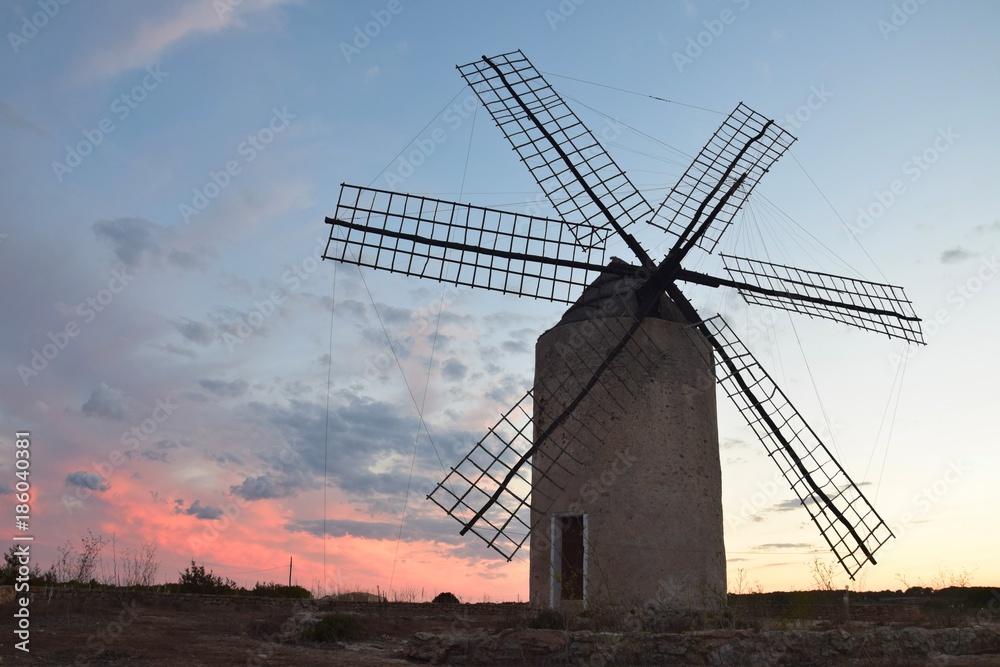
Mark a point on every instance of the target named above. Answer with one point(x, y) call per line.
point(161, 630)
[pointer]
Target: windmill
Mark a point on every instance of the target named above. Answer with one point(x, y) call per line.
point(610, 464)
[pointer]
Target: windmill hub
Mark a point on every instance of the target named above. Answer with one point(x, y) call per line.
point(617, 293)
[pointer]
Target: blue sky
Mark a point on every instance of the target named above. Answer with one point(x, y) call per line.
point(168, 167)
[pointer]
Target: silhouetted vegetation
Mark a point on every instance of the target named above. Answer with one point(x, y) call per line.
point(445, 598)
point(335, 628)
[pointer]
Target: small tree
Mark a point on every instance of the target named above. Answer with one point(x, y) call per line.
point(78, 567)
point(140, 565)
point(195, 579)
point(8, 571)
point(823, 574)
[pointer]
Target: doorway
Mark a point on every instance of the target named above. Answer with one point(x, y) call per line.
point(569, 558)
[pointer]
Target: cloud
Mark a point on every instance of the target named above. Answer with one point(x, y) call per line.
point(394, 315)
point(130, 238)
point(204, 513)
point(956, 255)
point(269, 486)
point(788, 505)
point(186, 260)
point(134, 239)
point(233, 389)
point(196, 332)
point(297, 388)
point(454, 370)
point(144, 44)
point(506, 389)
point(197, 510)
point(87, 480)
point(987, 229)
point(367, 454)
point(178, 350)
point(10, 117)
point(106, 402)
point(776, 546)
point(515, 346)
point(415, 529)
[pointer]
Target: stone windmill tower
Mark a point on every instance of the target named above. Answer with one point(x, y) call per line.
point(610, 464)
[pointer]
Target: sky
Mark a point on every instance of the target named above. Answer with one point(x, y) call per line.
point(191, 375)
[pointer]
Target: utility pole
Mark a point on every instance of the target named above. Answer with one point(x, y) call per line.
point(289, 571)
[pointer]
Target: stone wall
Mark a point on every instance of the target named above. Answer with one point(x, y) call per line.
point(154, 598)
point(871, 645)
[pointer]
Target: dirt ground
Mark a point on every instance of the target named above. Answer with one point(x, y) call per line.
point(171, 631)
point(72, 632)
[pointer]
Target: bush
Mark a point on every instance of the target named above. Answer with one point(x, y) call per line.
point(446, 598)
point(273, 590)
point(195, 579)
point(335, 628)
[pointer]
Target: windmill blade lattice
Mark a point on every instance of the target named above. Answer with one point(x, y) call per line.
point(577, 175)
point(845, 518)
point(513, 470)
point(720, 163)
point(860, 303)
point(460, 244)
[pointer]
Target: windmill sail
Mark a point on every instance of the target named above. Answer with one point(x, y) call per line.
point(576, 174)
point(460, 244)
point(746, 143)
point(860, 303)
point(845, 518)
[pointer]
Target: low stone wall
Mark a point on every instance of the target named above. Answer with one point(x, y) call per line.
point(878, 645)
point(154, 598)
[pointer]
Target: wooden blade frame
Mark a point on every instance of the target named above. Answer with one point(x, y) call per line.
point(845, 518)
point(572, 168)
point(460, 244)
point(860, 303)
point(728, 155)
